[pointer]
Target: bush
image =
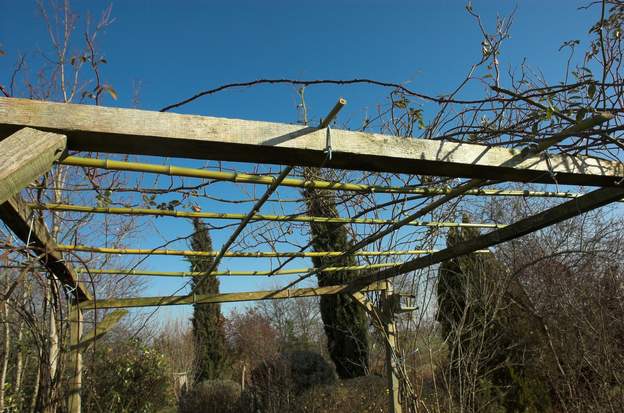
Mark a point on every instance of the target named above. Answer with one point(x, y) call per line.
point(126, 376)
point(276, 382)
point(362, 394)
point(212, 396)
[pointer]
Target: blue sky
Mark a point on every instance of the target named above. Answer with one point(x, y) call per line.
point(174, 49)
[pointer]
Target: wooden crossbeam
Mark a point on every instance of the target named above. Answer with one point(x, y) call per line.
point(102, 129)
point(226, 297)
point(18, 217)
point(551, 216)
point(26, 155)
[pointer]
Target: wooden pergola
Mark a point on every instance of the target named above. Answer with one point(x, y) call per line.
point(35, 135)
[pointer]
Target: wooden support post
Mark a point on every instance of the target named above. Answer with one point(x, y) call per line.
point(383, 319)
point(388, 316)
point(75, 379)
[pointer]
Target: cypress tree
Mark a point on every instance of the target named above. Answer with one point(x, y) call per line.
point(208, 328)
point(492, 332)
point(345, 321)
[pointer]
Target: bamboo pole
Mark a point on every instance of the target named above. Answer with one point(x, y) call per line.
point(231, 273)
point(241, 254)
point(255, 217)
point(297, 183)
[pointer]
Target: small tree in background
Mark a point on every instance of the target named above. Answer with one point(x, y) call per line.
point(208, 323)
point(345, 321)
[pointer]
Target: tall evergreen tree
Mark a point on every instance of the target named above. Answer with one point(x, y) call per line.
point(345, 321)
point(208, 328)
point(493, 335)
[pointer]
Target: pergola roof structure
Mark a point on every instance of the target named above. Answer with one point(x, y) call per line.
point(37, 134)
point(48, 131)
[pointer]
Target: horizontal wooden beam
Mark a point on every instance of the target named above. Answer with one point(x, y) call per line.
point(551, 216)
point(225, 297)
point(102, 129)
point(26, 155)
point(20, 219)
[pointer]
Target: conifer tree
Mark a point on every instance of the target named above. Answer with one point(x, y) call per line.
point(492, 333)
point(345, 321)
point(208, 326)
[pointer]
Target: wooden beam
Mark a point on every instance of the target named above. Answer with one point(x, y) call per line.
point(551, 216)
point(24, 156)
point(102, 129)
point(225, 297)
point(101, 328)
point(18, 217)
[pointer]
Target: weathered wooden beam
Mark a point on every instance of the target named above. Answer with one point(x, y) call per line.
point(225, 297)
point(26, 155)
point(18, 217)
point(101, 328)
point(551, 216)
point(102, 129)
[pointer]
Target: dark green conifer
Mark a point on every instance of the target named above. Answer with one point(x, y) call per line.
point(492, 332)
point(208, 328)
point(345, 321)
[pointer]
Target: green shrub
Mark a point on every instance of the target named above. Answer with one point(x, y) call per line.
point(125, 376)
point(276, 383)
point(209, 396)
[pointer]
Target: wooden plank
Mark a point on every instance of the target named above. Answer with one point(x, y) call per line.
point(101, 328)
point(17, 216)
point(102, 129)
point(26, 155)
point(551, 216)
point(225, 297)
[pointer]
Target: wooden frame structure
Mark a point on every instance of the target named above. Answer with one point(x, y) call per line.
point(34, 135)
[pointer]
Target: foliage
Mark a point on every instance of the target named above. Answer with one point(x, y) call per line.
point(345, 321)
point(222, 396)
point(362, 394)
point(277, 382)
point(125, 376)
point(208, 323)
point(493, 343)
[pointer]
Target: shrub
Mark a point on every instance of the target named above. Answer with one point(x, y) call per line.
point(212, 396)
point(126, 376)
point(276, 382)
point(362, 394)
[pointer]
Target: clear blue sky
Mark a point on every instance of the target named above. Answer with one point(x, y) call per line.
point(175, 49)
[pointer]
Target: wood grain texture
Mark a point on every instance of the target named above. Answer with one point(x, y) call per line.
point(17, 216)
point(102, 129)
point(551, 216)
point(225, 297)
point(24, 156)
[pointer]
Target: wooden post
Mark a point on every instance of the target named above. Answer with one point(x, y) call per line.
point(75, 380)
point(388, 315)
